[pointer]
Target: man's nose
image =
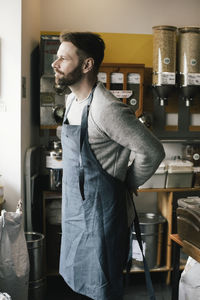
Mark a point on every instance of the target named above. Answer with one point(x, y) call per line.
point(54, 63)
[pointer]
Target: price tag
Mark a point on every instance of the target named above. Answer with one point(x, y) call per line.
point(167, 78)
point(122, 93)
point(193, 78)
point(134, 78)
point(117, 78)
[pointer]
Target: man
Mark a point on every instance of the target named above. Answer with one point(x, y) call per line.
point(99, 136)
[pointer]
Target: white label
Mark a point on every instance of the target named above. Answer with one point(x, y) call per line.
point(136, 252)
point(102, 77)
point(117, 78)
point(122, 93)
point(53, 162)
point(193, 62)
point(196, 156)
point(166, 60)
point(134, 78)
point(193, 78)
point(133, 101)
point(166, 78)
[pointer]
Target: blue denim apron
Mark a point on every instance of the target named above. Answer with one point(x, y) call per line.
point(95, 234)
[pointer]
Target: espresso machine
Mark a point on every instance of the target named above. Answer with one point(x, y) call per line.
point(52, 101)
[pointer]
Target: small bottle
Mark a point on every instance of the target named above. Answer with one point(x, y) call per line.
point(1, 190)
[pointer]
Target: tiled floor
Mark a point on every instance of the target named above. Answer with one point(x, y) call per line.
point(135, 289)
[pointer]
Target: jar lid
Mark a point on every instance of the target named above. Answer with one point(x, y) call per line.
point(150, 218)
point(190, 202)
point(164, 27)
point(189, 29)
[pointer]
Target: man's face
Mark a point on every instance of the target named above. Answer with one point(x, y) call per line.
point(67, 67)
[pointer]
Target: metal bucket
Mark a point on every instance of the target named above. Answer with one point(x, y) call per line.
point(35, 245)
point(37, 281)
point(152, 228)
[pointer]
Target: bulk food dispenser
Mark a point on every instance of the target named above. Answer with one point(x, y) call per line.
point(189, 62)
point(164, 61)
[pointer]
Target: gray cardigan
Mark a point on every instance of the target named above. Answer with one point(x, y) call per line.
point(118, 138)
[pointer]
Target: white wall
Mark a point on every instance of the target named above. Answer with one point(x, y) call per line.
point(30, 41)
point(16, 129)
point(117, 16)
point(10, 99)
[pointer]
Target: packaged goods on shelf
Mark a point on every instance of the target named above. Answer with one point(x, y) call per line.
point(179, 174)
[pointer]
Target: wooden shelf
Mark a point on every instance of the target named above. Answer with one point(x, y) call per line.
point(165, 199)
point(166, 190)
point(140, 270)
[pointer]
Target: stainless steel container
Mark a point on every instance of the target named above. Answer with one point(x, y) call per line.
point(54, 165)
point(152, 227)
point(35, 245)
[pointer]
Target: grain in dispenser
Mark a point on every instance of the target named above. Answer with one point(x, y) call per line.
point(164, 61)
point(189, 61)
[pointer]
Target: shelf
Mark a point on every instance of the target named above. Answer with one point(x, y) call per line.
point(166, 197)
point(140, 270)
point(169, 190)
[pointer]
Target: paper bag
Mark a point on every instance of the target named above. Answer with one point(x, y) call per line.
point(14, 259)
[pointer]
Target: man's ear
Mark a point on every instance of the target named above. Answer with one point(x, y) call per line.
point(88, 64)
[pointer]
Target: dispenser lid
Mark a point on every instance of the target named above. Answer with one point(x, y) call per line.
point(189, 29)
point(189, 202)
point(150, 218)
point(164, 27)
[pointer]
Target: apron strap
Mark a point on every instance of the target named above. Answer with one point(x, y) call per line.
point(82, 136)
point(139, 239)
point(84, 126)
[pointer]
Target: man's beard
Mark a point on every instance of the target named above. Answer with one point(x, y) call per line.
point(72, 78)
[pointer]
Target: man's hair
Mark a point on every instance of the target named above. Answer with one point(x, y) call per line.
point(89, 45)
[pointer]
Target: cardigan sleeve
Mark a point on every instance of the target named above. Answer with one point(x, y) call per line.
point(116, 120)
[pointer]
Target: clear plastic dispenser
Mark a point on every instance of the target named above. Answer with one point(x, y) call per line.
point(189, 62)
point(164, 61)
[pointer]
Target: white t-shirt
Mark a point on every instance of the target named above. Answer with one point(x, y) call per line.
point(75, 112)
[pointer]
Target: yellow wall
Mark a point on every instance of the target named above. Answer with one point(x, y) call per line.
point(126, 48)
